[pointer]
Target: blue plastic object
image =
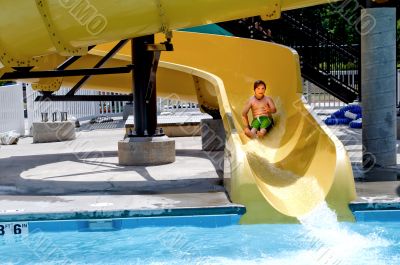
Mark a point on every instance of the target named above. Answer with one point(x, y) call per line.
point(337, 121)
point(338, 118)
point(355, 125)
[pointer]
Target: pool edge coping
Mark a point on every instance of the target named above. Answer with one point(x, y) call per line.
point(124, 213)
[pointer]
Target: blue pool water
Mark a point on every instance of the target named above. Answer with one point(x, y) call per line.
point(345, 243)
point(318, 239)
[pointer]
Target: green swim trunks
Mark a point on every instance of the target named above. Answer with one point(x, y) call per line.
point(262, 122)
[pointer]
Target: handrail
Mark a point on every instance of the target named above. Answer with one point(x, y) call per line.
point(300, 18)
point(320, 52)
point(330, 56)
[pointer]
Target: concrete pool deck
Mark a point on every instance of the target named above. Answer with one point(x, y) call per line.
point(370, 195)
point(83, 175)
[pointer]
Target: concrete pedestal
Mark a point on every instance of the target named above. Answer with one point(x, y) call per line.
point(146, 151)
point(45, 132)
point(212, 135)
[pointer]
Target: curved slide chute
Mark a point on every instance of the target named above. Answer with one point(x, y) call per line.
point(299, 163)
point(285, 175)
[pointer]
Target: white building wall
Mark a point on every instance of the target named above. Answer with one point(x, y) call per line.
point(12, 109)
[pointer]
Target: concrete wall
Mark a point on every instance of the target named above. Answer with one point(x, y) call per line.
point(12, 109)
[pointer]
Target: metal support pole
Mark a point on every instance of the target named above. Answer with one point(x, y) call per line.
point(144, 85)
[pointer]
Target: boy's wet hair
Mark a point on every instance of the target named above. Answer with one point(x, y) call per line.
point(259, 82)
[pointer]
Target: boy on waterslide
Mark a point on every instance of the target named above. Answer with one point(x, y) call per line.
point(262, 107)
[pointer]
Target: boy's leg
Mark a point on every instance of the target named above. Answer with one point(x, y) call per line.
point(261, 133)
point(265, 124)
point(252, 132)
point(249, 133)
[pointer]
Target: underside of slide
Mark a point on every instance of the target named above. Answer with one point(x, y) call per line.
point(295, 167)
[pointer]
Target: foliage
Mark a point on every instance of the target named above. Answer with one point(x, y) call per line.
point(4, 83)
point(342, 19)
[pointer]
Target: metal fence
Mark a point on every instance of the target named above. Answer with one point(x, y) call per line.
point(349, 77)
point(78, 110)
point(167, 105)
point(320, 99)
point(12, 109)
point(109, 107)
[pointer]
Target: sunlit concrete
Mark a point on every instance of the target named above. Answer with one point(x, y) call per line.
point(84, 175)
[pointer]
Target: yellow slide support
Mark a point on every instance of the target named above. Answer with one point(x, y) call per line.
point(30, 29)
point(298, 164)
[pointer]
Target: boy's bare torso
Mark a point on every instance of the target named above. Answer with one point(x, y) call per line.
point(260, 107)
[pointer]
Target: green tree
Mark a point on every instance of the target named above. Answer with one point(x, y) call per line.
point(4, 83)
point(342, 23)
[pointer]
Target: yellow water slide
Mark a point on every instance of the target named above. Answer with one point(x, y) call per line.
point(296, 166)
point(299, 163)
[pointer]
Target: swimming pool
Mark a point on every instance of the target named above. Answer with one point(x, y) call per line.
point(360, 243)
point(210, 239)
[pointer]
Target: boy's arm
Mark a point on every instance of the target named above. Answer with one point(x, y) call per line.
point(246, 109)
point(271, 105)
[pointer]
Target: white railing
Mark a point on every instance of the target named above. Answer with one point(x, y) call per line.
point(320, 99)
point(166, 105)
point(347, 76)
point(79, 110)
point(110, 107)
point(12, 109)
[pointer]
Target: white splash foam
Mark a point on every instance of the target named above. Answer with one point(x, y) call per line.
point(342, 244)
